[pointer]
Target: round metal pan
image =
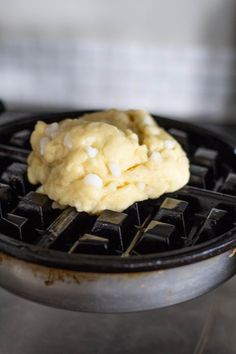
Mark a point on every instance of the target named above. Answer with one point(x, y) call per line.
point(114, 292)
point(115, 284)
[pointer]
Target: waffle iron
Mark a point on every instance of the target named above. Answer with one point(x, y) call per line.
point(154, 254)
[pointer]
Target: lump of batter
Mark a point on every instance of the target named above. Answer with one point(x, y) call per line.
point(105, 160)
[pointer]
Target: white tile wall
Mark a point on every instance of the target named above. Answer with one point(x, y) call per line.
point(180, 81)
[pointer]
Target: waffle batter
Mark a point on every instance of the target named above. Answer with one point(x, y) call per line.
point(105, 160)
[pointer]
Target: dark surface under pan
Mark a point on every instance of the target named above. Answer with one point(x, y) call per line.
point(117, 262)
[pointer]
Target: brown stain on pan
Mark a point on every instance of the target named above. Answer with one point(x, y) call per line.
point(233, 253)
point(48, 275)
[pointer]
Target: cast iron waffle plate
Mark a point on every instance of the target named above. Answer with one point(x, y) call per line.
point(191, 224)
point(154, 254)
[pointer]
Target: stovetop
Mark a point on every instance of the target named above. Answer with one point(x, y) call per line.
point(204, 325)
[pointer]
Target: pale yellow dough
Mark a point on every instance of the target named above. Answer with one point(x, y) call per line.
point(106, 160)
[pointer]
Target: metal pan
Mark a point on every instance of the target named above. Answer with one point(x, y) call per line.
point(94, 283)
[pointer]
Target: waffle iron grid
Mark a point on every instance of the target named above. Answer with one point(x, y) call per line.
point(198, 214)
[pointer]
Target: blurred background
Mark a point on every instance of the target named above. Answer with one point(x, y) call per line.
point(175, 58)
